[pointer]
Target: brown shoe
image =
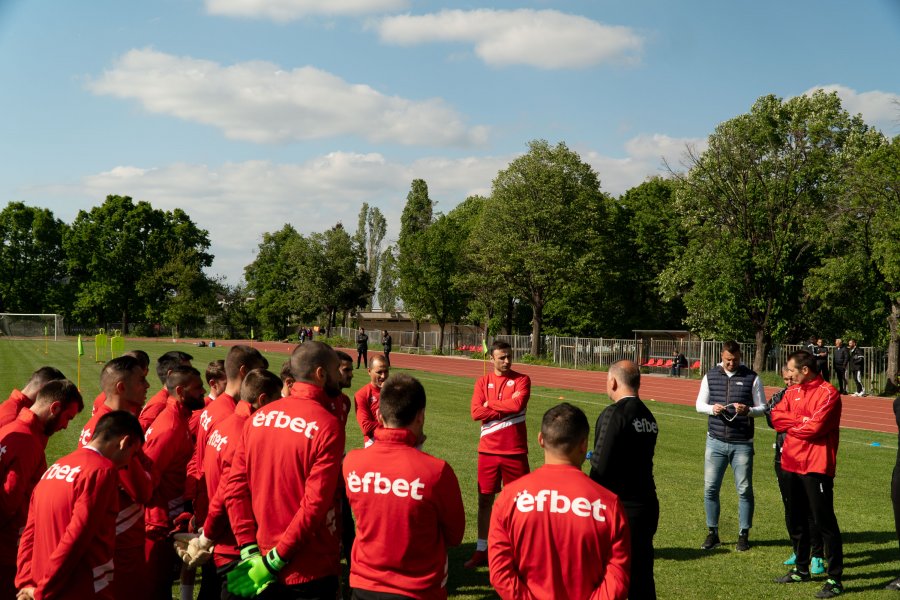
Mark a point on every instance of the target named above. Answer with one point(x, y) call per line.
point(479, 559)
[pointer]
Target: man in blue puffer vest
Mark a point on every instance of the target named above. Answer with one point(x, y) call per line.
point(731, 394)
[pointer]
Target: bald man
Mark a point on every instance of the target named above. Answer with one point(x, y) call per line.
point(622, 462)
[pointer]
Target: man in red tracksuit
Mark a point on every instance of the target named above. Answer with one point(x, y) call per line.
point(22, 461)
point(215, 379)
point(367, 397)
point(555, 533)
point(143, 360)
point(499, 402)
point(408, 506)
point(123, 383)
point(281, 490)
point(164, 366)
point(259, 388)
point(169, 447)
point(23, 399)
point(66, 550)
point(810, 416)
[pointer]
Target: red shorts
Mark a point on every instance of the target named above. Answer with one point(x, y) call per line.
point(492, 468)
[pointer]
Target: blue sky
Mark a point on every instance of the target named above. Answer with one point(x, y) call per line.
point(249, 114)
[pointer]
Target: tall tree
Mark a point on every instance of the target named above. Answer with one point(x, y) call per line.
point(542, 215)
point(751, 205)
point(388, 279)
point(32, 265)
point(417, 216)
point(370, 234)
point(271, 278)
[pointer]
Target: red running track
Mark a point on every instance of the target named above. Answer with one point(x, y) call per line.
point(870, 413)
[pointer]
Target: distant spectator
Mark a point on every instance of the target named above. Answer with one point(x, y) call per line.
point(387, 342)
point(821, 355)
point(362, 348)
point(302, 334)
point(678, 362)
point(841, 360)
point(857, 359)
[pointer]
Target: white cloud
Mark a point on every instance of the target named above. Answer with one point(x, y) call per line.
point(881, 109)
point(259, 102)
point(289, 10)
point(546, 39)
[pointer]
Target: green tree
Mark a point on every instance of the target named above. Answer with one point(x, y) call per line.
point(115, 253)
point(752, 205)
point(370, 234)
point(540, 229)
point(388, 279)
point(32, 265)
point(271, 279)
point(417, 215)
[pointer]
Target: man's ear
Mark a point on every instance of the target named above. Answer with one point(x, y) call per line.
point(541, 439)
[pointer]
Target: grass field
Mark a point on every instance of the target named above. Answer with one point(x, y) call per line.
point(862, 486)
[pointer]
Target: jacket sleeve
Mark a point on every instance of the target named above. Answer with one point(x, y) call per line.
point(364, 415)
point(451, 512)
point(825, 419)
point(217, 514)
point(480, 412)
point(137, 478)
point(26, 551)
point(92, 506)
point(237, 496)
point(22, 465)
point(773, 401)
point(517, 401)
point(782, 417)
point(617, 578)
point(503, 574)
point(160, 450)
point(318, 492)
point(608, 429)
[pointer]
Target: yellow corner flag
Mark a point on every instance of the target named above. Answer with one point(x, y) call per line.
point(251, 333)
point(484, 345)
point(80, 347)
point(80, 354)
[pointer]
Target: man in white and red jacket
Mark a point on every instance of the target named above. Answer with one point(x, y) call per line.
point(67, 546)
point(408, 505)
point(22, 461)
point(281, 490)
point(367, 397)
point(123, 383)
point(499, 402)
point(555, 533)
point(169, 446)
point(809, 415)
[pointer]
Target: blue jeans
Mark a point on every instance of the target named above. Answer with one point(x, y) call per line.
point(718, 456)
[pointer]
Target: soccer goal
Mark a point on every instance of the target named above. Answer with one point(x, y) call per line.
point(19, 325)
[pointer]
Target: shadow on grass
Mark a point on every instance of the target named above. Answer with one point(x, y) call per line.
point(473, 583)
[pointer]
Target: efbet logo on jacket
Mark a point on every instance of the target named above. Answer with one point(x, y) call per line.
point(281, 420)
point(374, 482)
point(554, 502)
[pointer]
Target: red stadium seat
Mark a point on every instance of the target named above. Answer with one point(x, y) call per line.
point(696, 365)
point(649, 363)
point(669, 363)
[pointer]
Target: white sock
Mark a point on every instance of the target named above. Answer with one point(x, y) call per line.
point(480, 545)
point(187, 591)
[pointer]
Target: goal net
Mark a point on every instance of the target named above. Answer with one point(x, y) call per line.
point(16, 325)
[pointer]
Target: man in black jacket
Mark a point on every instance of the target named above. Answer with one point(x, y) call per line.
point(857, 358)
point(840, 361)
point(622, 462)
point(362, 348)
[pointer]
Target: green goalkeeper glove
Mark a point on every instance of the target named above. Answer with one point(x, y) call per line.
point(254, 573)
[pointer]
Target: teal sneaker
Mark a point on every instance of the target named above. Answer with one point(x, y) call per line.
point(816, 566)
point(792, 560)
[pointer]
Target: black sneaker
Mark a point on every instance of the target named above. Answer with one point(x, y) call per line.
point(831, 589)
point(894, 585)
point(743, 543)
point(712, 541)
point(793, 576)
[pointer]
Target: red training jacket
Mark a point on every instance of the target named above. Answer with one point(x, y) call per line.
point(215, 412)
point(555, 533)
point(169, 446)
point(217, 460)
point(134, 490)
point(810, 415)
point(367, 398)
point(10, 409)
point(98, 402)
point(153, 408)
point(499, 402)
point(67, 547)
point(409, 510)
point(281, 489)
point(22, 462)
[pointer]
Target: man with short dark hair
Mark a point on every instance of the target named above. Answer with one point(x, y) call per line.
point(622, 462)
point(362, 348)
point(143, 360)
point(402, 536)
point(731, 395)
point(67, 546)
point(841, 359)
point(164, 366)
point(22, 461)
point(499, 401)
point(281, 494)
point(23, 399)
point(387, 344)
point(367, 398)
point(857, 358)
point(541, 551)
point(810, 417)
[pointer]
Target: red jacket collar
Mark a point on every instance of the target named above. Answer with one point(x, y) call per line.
point(397, 436)
point(308, 391)
point(34, 425)
point(182, 410)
